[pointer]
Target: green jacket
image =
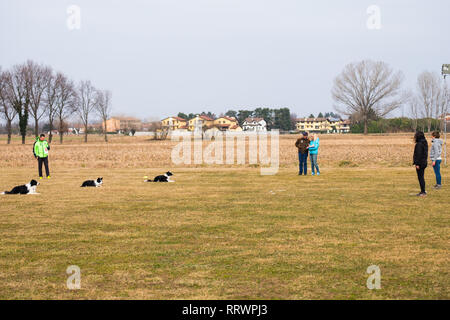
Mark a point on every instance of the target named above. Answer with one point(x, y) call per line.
point(41, 148)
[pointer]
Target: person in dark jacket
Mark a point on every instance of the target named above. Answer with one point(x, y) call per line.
point(420, 160)
point(302, 146)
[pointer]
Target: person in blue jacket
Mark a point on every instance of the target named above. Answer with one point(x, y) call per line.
point(313, 151)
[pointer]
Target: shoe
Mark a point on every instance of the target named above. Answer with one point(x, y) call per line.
point(422, 194)
point(318, 173)
point(40, 178)
point(48, 177)
point(312, 173)
point(438, 186)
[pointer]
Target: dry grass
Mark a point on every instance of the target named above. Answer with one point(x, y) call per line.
point(222, 232)
point(138, 152)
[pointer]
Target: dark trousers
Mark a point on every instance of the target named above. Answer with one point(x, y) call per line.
point(45, 162)
point(421, 177)
point(303, 163)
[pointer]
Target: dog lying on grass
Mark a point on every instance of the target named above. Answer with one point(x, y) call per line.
point(29, 188)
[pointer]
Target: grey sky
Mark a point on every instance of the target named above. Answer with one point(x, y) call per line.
point(159, 57)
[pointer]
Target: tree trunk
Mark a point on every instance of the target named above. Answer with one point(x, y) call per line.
point(106, 133)
point(85, 134)
point(365, 126)
point(9, 128)
point(50, 135)
point(36, 127)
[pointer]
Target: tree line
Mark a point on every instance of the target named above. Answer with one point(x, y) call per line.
point(36, 91)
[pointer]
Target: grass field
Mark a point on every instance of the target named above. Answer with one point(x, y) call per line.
point(223, 232)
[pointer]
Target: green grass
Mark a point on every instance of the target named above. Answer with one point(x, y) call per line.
point(223, 233)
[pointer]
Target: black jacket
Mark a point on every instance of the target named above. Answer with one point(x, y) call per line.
point(421, 154)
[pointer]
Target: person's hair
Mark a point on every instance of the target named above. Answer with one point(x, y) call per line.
point(305, 133)
point(419, 136)
point(42, 135)
point(436, 134)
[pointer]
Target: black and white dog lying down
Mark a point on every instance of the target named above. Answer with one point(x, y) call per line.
point(93, 183)
point(29, 188)
point(162, 178)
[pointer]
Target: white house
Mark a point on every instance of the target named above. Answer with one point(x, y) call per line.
point(254, 124)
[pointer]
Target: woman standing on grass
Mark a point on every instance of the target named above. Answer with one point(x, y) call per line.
point(313, 151)
point(420, 160)
point(435, 156)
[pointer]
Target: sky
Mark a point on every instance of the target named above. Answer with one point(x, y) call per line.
point(161, 57)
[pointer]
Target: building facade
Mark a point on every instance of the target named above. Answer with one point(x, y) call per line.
point(254, 124)
point(117, 124)
point(227, 124)
point(174, 123)
point(323, 125)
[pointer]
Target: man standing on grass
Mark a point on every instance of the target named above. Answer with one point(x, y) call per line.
point(40, 150)
point(302, 146)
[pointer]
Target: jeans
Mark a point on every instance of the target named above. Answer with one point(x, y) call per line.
point(303, 162)
point(45, 162)
point(420, 176)
point(314, 164)
point(437, 171)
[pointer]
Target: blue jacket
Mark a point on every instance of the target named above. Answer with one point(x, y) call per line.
point(314, 146)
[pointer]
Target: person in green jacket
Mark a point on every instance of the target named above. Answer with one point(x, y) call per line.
point(40, 150)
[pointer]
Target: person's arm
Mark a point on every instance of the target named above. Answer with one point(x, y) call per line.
point(313, 146)
point(48, 146)
point(34, 149)
point(418, 151)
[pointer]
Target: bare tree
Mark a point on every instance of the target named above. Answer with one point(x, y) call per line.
point(414, 108)
point(40, 77)
point(443, 105)
point(103, 107)
point(367, 88)
point(18, 86)
point(65, 102)
point(6, 108)
point(85, 104)
point(50, 98)
point(429, 91)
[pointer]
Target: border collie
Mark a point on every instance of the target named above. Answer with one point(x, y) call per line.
point(29, 188)
point(162, 178)
point(93, 183)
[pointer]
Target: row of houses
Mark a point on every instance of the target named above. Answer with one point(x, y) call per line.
point(323, 125)
point(225, 123)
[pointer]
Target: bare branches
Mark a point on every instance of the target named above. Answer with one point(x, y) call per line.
point(40, 77)
point(65, 101)
point(367, 88)
point(85, 103)
point(103, 108)
point(434, 96)
point(7, 110)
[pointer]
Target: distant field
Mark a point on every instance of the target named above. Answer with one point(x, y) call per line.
point(223, 232)
point(137, 152)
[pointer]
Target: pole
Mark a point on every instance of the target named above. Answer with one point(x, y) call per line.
point(445, 125)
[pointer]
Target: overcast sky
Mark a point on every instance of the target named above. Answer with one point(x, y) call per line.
point(159, 57)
